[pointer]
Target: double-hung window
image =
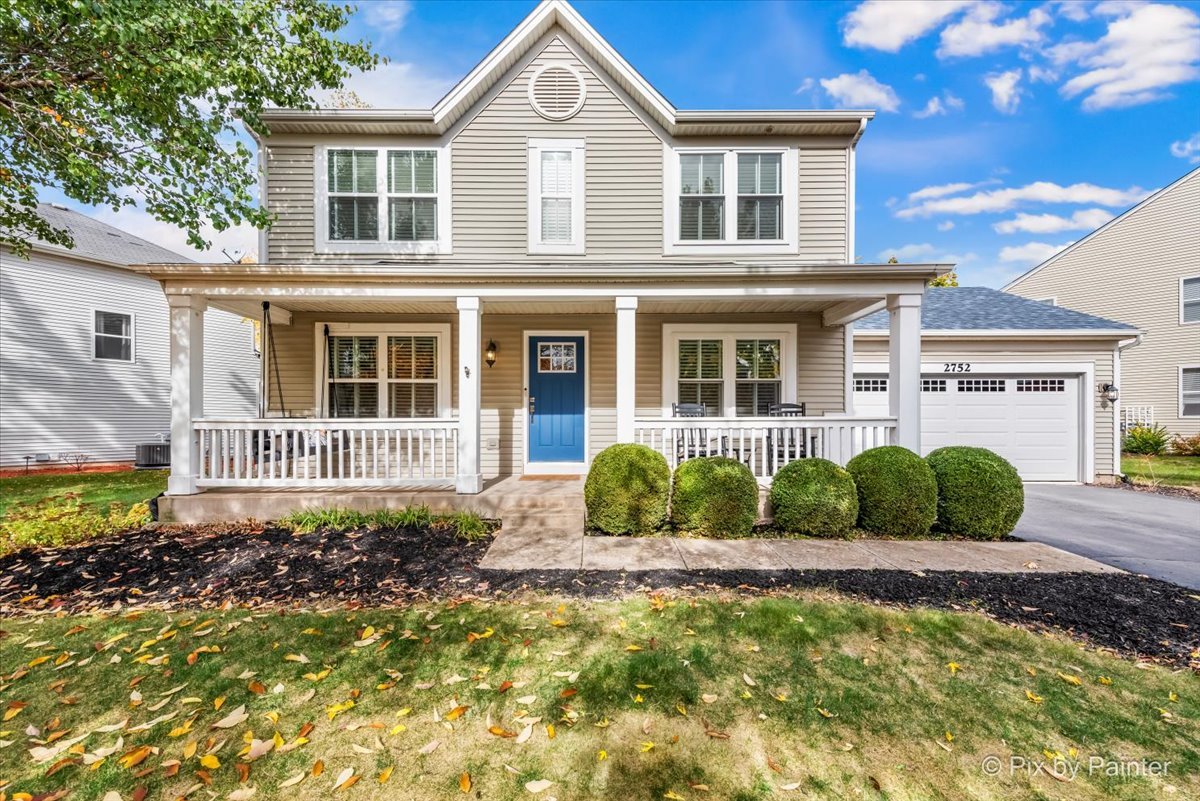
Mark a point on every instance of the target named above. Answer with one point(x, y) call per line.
point(113, 337)
point(384, 199)
point(389, 371)
point(1189, 391)
point(739, 371)
point(1189, 300)
point(556, 196)
point(743, 199)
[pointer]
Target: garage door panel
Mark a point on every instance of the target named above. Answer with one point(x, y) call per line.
point(1033, 421)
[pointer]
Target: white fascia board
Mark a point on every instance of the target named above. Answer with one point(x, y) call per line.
point(1016, 333)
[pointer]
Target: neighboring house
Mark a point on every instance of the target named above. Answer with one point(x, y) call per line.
point(551, 260)
point(1023, 378)
point(84, 349)
point(1142, 267)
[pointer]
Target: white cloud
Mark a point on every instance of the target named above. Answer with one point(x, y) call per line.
point(1006, 90)
point(1031, 253)
point(946, 225)
point(937, 108)
point(1082, 220)
point(1146, 49)
point(396, 85)
point(979, 33)
point(941, 190)
point(1042, 74)
point(907, 252)
point(1187, 148)
point(890, 24)
point(861, 90)
point(805, 85)
point(996, 200)
point(388, 16)
point(1074, 10)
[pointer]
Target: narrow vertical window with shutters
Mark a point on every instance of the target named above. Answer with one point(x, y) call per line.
point(556, 196)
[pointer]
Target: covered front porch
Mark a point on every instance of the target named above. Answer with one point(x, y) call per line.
point(385, 378)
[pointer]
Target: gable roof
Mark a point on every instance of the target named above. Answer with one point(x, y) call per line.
point(1115, 221)
point(496, 64)
point(976, 309)
point(101, 242)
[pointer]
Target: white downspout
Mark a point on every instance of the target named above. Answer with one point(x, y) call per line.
point(1121, 346)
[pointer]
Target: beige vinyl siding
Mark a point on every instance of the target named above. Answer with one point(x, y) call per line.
point(1131, 272)
point(823, 182)
point(56, 398)
point(290, 197)
point(623, 161)
point(1097, 352)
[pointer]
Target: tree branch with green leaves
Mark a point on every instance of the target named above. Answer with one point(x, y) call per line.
point(136, 102)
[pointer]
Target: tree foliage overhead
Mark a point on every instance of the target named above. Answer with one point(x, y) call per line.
point(124, 102)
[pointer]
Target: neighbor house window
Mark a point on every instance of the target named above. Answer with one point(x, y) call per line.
point(113, 335)
point(741, 198)
point(739, 372)
point(384, 199)
point(1189, 300)
point(1189, 392)
point(373, 373)
point(556, 195)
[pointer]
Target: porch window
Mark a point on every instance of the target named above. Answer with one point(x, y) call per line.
point(734, 369)
point(113, 337)
point(701, 196)
point(383, 199)
point(760, 196)
point(556, 196)
point(390, 373)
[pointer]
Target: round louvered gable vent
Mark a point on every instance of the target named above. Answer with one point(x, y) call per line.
point(556, 91)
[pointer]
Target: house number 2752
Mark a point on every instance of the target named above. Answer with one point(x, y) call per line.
point(956, 367)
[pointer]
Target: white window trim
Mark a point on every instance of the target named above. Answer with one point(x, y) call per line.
point(132, 337)
point(1183, 367)
point(730, 332)
point(324, 245)
point(1052, 300)
point(730, 244)
point(578, 234)
point(1181, 280)
point(382, 330)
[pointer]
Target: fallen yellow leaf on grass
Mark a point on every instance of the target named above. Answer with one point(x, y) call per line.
point(601, 755)
point(825, 713)
point(293, 781)
point(671, 795)
point(954, 667)
point(456, 713)
point(210, 761)
point(301, 658)
point(464, 782)
point(631, 648)
point(385, 774)
point(1105, 680)
point(1037, 699)
point(1069, 679)
point(647, 747)
point(500, 732)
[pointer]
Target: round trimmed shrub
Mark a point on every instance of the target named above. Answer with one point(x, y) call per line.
point(814, 497)
point(897, 493)
point(714, 496)
point(979, 494)
point(627, 489)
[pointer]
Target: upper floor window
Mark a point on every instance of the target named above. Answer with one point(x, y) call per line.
point(113, 335)
point(384, 199)
point(1189, 300)
point(743, 199)
point(1189, 391)
point(556, 196)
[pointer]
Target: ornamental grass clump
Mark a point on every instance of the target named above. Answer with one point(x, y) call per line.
point(627, 490)
point(897, 493)
point(814, 497)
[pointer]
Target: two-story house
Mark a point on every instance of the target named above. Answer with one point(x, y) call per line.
point(1142, 267)
point(550, 260)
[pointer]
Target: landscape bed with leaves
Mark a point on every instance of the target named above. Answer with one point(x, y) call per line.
point(657, 696)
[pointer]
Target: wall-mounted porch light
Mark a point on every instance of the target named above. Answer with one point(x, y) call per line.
point(1110, 392)
point(489, 355)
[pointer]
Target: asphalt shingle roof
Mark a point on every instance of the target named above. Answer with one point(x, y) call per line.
point(101, 241)
point(976, 308)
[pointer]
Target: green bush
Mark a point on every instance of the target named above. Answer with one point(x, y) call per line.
point(714, 496)
point(897, 494)
point(66, 520)
point(814, 497)
point(1146, 440)
point(627, 489)
point(979, 494)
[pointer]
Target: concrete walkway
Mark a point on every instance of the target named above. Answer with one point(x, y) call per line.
point(558, 544)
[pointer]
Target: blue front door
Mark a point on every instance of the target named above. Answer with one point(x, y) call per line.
point(556, 399)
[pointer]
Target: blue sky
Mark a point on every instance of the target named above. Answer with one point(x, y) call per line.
point(1005, 130)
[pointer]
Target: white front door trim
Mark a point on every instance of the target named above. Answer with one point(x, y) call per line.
point(556, 468)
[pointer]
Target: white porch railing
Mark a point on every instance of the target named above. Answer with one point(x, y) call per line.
point(764, 444)
point(326, 452)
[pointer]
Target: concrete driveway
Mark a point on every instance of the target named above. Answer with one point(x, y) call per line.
point(1136, 531)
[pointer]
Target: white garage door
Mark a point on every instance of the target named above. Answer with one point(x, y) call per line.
point(1033, 421)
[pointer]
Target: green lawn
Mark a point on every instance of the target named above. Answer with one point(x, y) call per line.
point(101, 489)
point(1177, 471)
point(702, 697)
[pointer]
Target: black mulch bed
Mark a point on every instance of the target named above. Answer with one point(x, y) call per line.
point(213, 565)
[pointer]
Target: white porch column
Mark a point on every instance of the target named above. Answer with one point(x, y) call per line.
point(626, 367)
point(187, 390)
point(904, 369)
point(469, 480)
